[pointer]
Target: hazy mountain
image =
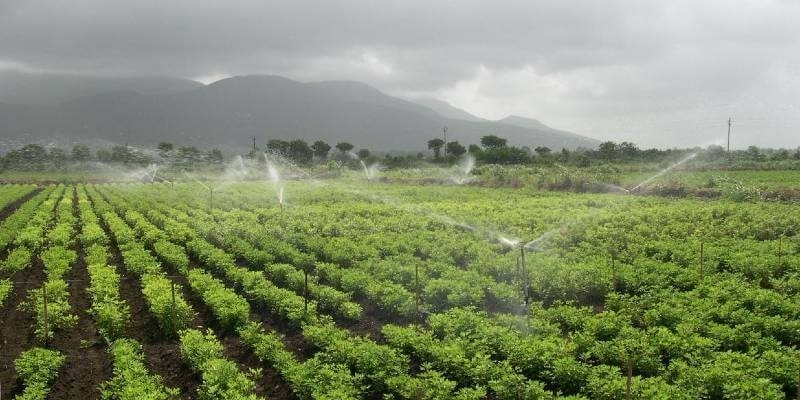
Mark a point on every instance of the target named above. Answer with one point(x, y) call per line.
point(49, 89)
point(231, 111)
point(447, 110)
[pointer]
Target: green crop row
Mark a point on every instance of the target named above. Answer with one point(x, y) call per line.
point(31, 231)
point(163, 297)
point(222, 379)
point(10, 227)
point(17, 259)
point(5, 290)
point(38, 368)
point(51, 309)
point(131, 380)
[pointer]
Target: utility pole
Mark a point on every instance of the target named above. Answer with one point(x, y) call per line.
point(444, 133)
point(729, 134)
point(254, 143)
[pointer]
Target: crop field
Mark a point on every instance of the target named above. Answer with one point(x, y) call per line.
point(354, 289)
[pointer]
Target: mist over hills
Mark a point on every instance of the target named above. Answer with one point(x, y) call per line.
point(229, 112)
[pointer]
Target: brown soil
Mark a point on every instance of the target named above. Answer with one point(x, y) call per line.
point(88, 363)
point(16, 329)
point(270, 383)
point(162, 354)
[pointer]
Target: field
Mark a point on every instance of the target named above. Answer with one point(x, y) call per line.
point(400, 288)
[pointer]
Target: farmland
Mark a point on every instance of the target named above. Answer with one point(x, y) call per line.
point(346, 288)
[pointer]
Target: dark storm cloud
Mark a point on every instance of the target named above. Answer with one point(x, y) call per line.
point(633, 70)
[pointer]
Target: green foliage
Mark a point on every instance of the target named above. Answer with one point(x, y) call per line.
point(221, 378)
point(110, 312)
point(58, 261)
point(172, 312)
point(230, 309)
point(17, 259)
point(131, 379)
point(58, 315)
point(37, 368)
point(5, 290)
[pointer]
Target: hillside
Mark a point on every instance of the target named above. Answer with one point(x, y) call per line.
point(231, 111)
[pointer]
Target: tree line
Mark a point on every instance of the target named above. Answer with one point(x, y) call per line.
point(491, 150)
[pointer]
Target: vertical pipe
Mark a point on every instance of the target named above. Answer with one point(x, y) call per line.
point(305, 291)
point(526, 285)
point(702, 261)
point(46, 322)
point(630, 378)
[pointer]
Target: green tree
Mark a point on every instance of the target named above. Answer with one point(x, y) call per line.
point(607, 150)
point(363, 154)
point(492, 142)
point(456, 149)
point(57, 157)
point(214, 156)
point(320, 149)
point(299, 152)
point(436, 146)
point(165, 148)
point(344, 147)
point(542, 151)
point(278, 146)
point(81, 152)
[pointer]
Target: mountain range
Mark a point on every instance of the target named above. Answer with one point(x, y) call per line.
point(230, 112)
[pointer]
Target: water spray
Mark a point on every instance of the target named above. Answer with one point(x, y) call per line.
point(662, 172)
point(366, 170)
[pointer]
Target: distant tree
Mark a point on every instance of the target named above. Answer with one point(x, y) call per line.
point(28, 157)
point(628, 150)
point(189, 155)
point(474, 149)
point(456, 149)
point(504, 155)
point(753, 153)
point(320, 149)
point(363, 154)
point(278, 146)
point(81, 152)
point(299, 152)
point(57, 157)
point(165, 148)
point(542, 151)
point(344, 147)
point(436, 146)
point(214, 156)
point(103, 155)
point(122, 154)
point(607, 150)
point(492, 142)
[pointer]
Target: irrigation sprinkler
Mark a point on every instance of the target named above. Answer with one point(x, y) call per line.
point(305, 290)
point(46, 322)
point(211, 202)
point(702, 262)
point(416, 287)
point(629, 367)
point(525, 284)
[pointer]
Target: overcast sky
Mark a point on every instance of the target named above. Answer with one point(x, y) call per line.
point(658, 73)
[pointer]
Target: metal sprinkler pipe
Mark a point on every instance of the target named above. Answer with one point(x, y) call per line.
point(525, 284)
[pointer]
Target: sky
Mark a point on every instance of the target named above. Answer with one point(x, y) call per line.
point(653, 72)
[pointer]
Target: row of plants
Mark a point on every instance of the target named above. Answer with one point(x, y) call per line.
point(38, 368)
point(130, 378)
point(284, 275)
point(163, 297)
point(109, 311)
point(12, 193)
point(357, 353)
point(50, 303)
